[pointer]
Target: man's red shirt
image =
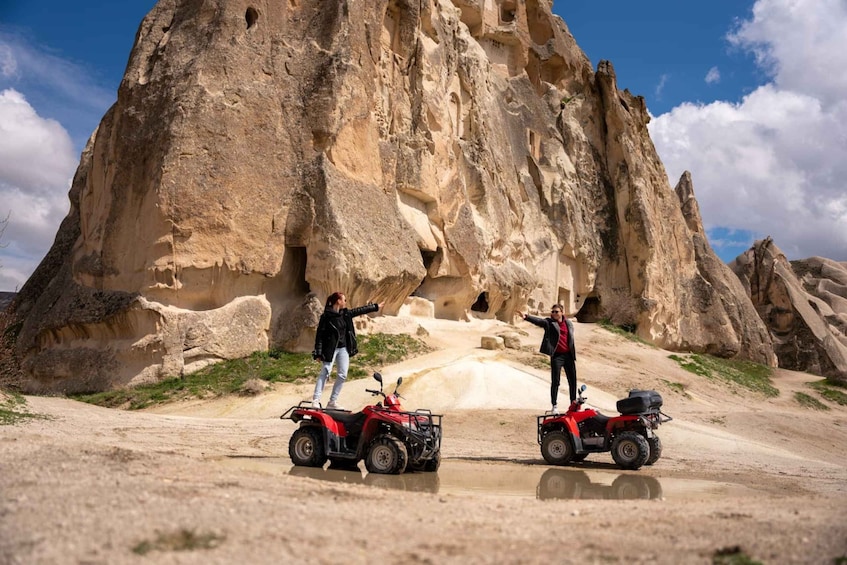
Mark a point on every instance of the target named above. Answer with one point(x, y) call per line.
point(562, 346)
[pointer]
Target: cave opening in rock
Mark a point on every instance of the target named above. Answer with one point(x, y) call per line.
point(252, 16)
point(428, 258)
point(294, 271)
point(481, 304)
point(508, 10)
point(590, 311)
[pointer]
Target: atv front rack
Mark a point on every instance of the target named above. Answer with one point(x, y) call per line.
point(422, 429)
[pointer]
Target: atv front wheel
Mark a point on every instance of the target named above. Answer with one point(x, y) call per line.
point(306, 448)
point(387, 456)
point(630, 450)
point(556, 448)
point(636, 486)
point(429, 465)
point(432, 465)
point(655, 450)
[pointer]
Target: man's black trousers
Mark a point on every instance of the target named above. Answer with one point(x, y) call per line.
point(558, 362)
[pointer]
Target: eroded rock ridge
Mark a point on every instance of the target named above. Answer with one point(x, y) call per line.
point(261, 155)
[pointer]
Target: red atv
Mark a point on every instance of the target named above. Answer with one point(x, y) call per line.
point(630, 436)
point(389, 439)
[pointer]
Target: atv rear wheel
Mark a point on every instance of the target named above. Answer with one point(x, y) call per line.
point(387, 456)
point(655, 450)
point(556, 448)
point(306, 448)
point(630, 450)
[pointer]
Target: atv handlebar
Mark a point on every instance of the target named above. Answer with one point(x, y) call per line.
point(378, 378)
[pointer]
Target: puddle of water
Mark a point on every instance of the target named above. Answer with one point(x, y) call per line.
point(531, 481)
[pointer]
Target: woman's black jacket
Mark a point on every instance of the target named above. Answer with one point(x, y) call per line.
point(331, 326)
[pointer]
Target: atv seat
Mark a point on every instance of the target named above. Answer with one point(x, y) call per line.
point(596, 424)
point(601, 419)
point(348, 419)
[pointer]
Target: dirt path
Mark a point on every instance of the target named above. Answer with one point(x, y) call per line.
point(210, 482)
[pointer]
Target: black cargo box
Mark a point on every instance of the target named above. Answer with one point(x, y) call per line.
point(640, 402)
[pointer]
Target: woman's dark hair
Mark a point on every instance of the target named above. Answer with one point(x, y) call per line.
point(333, 298)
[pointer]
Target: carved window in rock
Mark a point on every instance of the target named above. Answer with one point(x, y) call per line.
point(565, 298)
point(456, 115)
point(508, 11)
point(390, 37)
point(540, 29)
point(534, 142)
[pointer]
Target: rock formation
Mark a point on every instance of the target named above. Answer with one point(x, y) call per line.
point(261, 155)
point(803, 304)
point(722, 309)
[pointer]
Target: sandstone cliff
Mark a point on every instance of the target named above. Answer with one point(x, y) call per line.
point(803, 303)
point(261, 155)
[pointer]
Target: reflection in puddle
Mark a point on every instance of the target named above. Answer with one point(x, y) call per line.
point(554, 483)
point(460, 477)
point(416, 482)
point(564, 483)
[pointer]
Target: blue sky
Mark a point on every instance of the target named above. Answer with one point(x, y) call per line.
point(748, 95)
point(664, 49)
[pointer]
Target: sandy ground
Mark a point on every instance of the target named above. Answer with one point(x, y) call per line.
point(210, 482)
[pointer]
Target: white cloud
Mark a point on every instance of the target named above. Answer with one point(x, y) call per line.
point(8, 63)
point(713, 76)
point(37, 163)
point(26, 66)
point(801, 43)
point(775, 162)
point(43, 97)
point(663, 80)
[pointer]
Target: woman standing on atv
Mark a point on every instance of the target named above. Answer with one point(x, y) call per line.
point(558, 343)
point(335, 341)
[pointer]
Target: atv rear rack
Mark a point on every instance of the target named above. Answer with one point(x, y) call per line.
point(304, 405)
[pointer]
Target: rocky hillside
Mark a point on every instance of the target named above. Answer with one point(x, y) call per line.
point(261, 155)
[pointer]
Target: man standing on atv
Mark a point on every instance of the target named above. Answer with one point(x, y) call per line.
point(335, 341)
point(558, 343)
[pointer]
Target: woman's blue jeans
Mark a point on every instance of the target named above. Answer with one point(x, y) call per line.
point(342, 358)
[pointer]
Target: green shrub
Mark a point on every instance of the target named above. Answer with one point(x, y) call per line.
point(230, 377)
point(13, 409)
point(809, 401)
point(626, 331)
point(752, 376)
point(733, 556)
point(676, 387)
point(180, 540)
point(829, 390)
